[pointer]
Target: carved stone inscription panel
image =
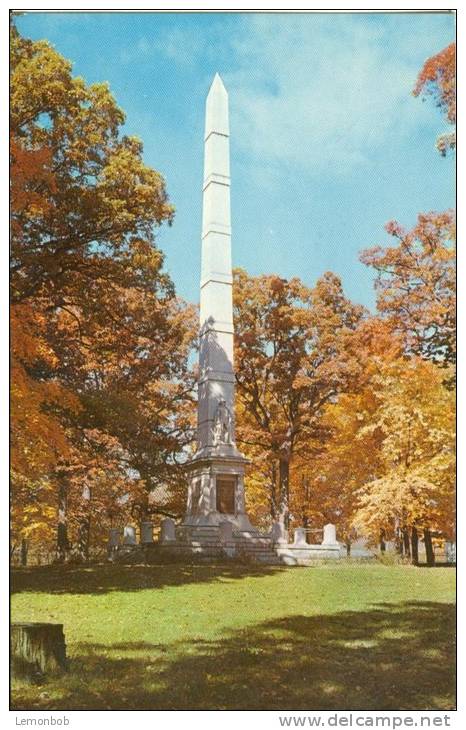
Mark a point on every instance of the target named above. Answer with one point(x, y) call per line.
point(226, 487)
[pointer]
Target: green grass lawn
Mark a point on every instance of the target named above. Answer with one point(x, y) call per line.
point(234, 637)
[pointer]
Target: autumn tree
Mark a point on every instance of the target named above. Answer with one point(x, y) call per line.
point(437, 79)
point(90, 203)
point(40, 410)
point(138, 389)
point(416, 287)
point(326, 486)
point(100, 340)
point(292, 355)
point(415, 418)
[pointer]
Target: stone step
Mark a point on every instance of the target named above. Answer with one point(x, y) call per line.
point(215, 544)
point(216, 538)
point(231, 544)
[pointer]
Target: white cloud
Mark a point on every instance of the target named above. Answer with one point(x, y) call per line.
point(182, 47)
point(319, 91)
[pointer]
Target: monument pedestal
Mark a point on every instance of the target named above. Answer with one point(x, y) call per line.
point(216, 489)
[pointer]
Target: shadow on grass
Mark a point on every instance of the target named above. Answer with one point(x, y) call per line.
point(104, 578)
point(392, 657)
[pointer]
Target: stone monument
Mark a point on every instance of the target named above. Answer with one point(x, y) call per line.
point(216, 525)
point(216, 470)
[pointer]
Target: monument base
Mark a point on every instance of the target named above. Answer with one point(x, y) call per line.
point(217, 545)
point(216, 490)
point(240, 521)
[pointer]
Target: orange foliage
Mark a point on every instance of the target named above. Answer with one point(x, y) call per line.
point(437, 78)
point(416, 284)
point(100, 378)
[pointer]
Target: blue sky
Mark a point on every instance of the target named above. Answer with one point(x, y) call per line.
point(327, 142)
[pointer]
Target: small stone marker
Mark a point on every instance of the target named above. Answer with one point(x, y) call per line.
point(114, 537)
point(450, 551)
point(300, 536)
point(330, 535)
point(167, 530)
point(37, 649)
point(226, 531)
point(147, 532)
point(129, 535)
point(278, 533)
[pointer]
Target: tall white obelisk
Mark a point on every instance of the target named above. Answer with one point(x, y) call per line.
point(216, 491)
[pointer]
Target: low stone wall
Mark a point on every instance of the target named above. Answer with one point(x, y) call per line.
point(307, 554)
point(212, 543)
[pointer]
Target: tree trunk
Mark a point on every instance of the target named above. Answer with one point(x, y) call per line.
point(284, 490)
point(398, 538)
point(24, 552)
point(63, 544)
point(306, 499)
point(406, 545)
point(273, 492)
point(348, 548)
point(140, 511)
point(37, 649)
point(430, 555)
point(306, 523)
point(383, 546)
point(84, 529)
point(414, 546)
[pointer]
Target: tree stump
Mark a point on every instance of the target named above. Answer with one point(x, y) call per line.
point(37, 649)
